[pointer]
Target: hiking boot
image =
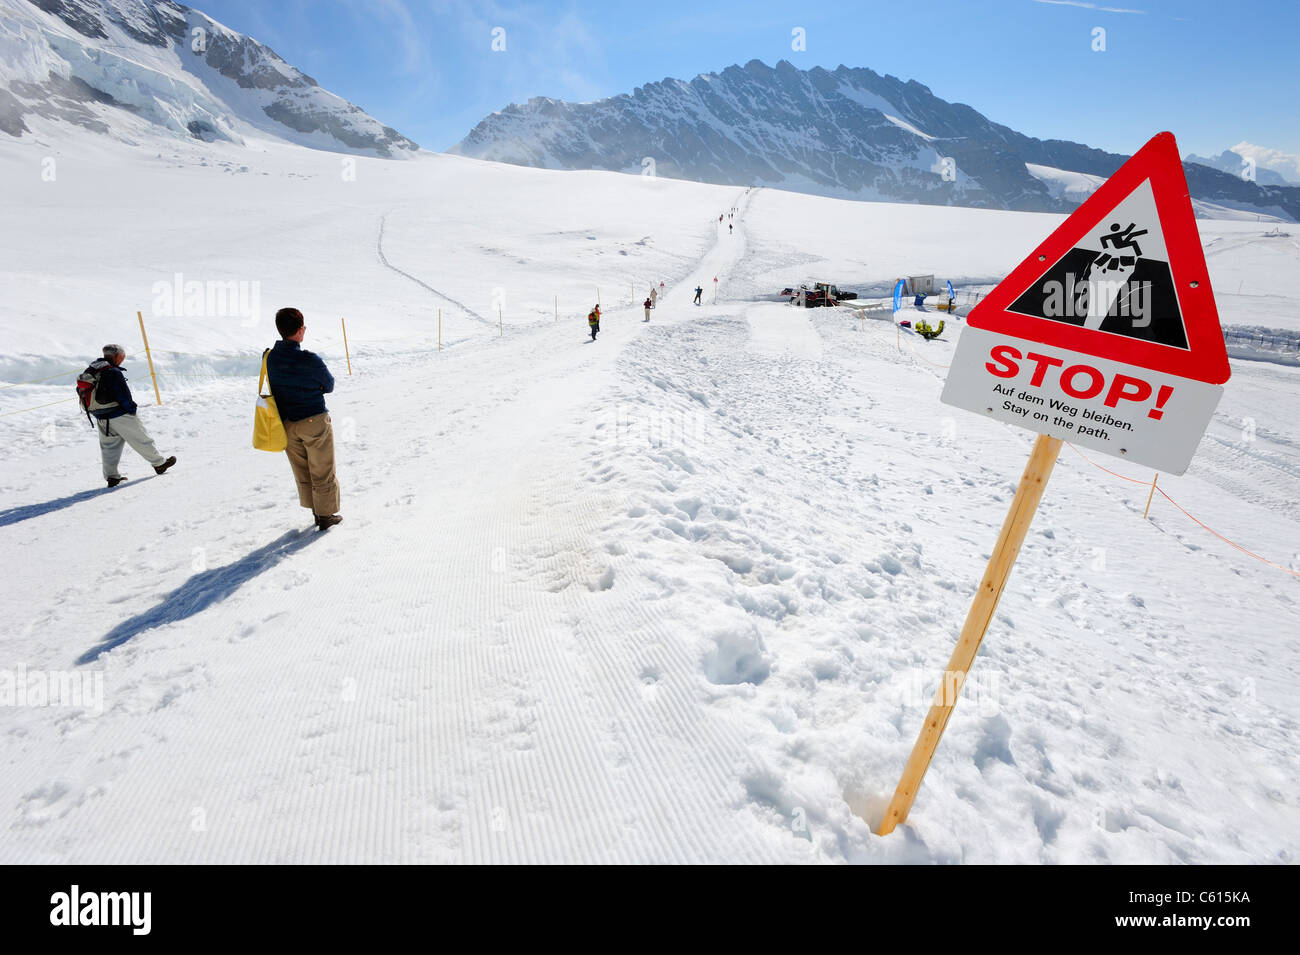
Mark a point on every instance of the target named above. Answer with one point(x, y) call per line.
point(165, 465)
point(324, 521)
point(114, 482)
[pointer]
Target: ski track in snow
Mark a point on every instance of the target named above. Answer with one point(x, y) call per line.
point(678, 595)
point(383, 259)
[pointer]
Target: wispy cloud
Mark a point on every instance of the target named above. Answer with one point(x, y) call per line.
point(550, 50)
point(1089, 6)
point(412, 56)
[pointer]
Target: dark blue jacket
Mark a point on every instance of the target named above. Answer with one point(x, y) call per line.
point(113, 387)
point(299, 381)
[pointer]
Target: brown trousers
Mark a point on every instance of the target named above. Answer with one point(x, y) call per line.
point(311, 454)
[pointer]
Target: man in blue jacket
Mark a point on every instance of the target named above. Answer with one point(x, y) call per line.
point(115, 419)
point(299, 383)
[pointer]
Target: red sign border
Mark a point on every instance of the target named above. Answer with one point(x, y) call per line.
point(1206, 357)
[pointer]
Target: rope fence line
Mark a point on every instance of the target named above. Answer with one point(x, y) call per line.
point(926, 360)
point(252, 357)
point(239, 356)
point(1188, 514)
point(163, 372)
point(36, 381)
point(1230, 543)
point(1122, 477)
point(1158, 490)
point(923, 358)
point(49, 405)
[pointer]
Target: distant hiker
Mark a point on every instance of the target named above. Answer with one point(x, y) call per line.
point(648, 305)
point(593, 319)
point(654, 298)
point(730, 227)
point(698, 292)
point(299, 383)
point(106, 398)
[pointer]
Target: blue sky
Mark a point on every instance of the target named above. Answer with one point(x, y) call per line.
point(1213, 72)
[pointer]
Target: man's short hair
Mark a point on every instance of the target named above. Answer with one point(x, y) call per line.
point(288, 321)
point(112, 351)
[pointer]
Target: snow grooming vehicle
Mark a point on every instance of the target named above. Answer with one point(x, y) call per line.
point(821, 294)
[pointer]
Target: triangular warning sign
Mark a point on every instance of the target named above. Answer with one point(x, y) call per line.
point(1123, 278)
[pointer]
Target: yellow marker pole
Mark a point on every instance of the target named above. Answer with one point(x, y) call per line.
point(1154, 478)
point(345, 344)
point(439, 329)
point(499, 326)
point(149, 355)
point(1021, 513)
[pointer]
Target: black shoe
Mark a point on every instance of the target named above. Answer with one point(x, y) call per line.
point(325, 521)
point(114, 482)
point(165, 465)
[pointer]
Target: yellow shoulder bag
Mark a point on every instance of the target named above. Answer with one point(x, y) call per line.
point(268, 429)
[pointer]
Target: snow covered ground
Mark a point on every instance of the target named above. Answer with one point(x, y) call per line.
point(680, 594)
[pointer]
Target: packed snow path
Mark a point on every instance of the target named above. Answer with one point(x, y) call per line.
point(459, 684)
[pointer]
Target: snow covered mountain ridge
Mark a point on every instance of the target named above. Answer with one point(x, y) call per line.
point(142, 69)
point(1268, 166)
point(848, 133)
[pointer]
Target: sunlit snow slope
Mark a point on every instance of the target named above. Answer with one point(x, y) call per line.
point(679, 594)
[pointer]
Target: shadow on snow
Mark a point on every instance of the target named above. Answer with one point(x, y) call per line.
point(203, 590)
point(15, 515)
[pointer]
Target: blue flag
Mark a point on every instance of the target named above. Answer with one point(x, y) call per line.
point(898, 294)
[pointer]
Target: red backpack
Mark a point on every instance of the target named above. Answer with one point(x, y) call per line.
point(88, 383)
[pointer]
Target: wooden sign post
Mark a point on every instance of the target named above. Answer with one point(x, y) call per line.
point(1014, 529)
point(149, 355)
point(346, 352)
point(1142, 387)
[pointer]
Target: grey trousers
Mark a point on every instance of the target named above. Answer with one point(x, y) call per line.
point(124, 429)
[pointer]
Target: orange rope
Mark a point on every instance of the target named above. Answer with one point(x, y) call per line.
point(1224, 539)
point(1188, 514)
point(1100, 468)
point(923, 358)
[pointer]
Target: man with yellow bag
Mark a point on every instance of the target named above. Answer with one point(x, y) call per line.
point(299, 383)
